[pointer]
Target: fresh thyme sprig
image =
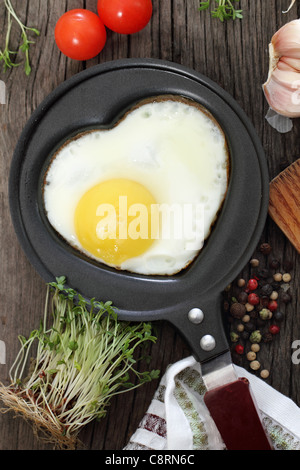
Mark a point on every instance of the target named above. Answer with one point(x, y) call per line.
point(224, 9)
point(6, 53)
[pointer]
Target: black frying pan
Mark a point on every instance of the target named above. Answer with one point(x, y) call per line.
point(97, 97)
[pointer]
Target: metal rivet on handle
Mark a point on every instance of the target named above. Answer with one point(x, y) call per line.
point(208, 343)
point(196, 315)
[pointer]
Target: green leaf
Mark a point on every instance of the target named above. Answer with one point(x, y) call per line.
point(73, 345)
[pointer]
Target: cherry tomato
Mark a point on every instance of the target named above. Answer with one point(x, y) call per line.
point(125, 16)
point(80, 34)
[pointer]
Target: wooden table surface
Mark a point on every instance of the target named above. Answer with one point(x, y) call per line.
point(234, 55)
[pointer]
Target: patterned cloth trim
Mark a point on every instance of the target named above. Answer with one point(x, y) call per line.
point(189, 391)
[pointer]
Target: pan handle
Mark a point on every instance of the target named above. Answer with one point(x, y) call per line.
point(234, 411)
point(232, 405)
point(200, 322)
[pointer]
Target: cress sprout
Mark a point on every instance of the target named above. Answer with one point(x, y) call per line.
point(6, 53)
point(81, 361)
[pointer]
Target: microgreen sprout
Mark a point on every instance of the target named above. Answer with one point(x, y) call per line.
point(224, 9)
point(82, 360)
point(7, 53)
point(291, 5)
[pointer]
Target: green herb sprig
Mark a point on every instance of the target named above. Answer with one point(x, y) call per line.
point(224, 9)
point(6, 54)
point(82, 360)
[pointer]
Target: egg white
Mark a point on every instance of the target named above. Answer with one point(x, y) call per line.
point(176, 150)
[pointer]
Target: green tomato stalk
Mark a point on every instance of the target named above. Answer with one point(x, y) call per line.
point(6, 54)
point(82, 360)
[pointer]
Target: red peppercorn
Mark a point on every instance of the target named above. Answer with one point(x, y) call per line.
point(252, 284)
point(272, 305)
point(239, 349)
point(274, 329)
point(253, 299)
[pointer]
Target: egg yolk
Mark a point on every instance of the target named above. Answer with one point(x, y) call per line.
point(113, 220)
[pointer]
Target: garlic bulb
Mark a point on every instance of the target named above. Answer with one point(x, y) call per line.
point(282, 88)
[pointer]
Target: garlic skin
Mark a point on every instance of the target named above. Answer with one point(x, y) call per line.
point(282, 88)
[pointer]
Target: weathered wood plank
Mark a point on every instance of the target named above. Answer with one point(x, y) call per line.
point(233, 54)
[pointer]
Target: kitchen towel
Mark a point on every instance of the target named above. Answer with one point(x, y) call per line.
point(177, 418)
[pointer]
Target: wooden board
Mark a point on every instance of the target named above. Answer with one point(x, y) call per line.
point(284, 206)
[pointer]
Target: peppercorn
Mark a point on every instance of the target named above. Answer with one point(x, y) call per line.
point(255, 347)
point(263, 273)
point(239, 349)
point(253, 314)
point(252, 284)
point(274, 295)
point(240, 327)
point(251, 356)
point(266, 290)
point(264, 300)
point(255, 336)
point(249, 307)
point(241, 282)
point(264, 374)
point(242, 297)
point(265, 248)
point(237, 310)
point(260, 323)
point(277, 277)
point(245, 335)
point(246, 318)
point(274, 329)
point(265, 314)
point(234, 336)
point(250, 326)
point(255, 365)
point(267, 337)
point(274, 263)
point(272, 305)
point(276, 285)
point(286, 277)
point(253, 299)
point(278, 316)
point(254, 262)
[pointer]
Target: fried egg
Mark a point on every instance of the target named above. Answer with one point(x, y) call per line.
point(143, 195)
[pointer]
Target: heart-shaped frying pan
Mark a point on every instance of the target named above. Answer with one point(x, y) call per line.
point(190, 300)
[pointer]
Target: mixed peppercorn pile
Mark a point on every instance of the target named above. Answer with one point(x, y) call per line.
point(252, 307)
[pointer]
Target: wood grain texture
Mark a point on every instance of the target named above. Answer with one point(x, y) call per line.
point(284, 205)
point(234, 55)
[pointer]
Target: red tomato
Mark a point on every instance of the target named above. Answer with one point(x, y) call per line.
point(80, 34)
point(125, 16)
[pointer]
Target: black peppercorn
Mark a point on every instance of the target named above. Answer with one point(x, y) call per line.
point(274, 263)
point(266, 290)
point(245, 335)
point(263, 273)
point(237, 310)
point(264, 300)
point(250, 326)
point(276, 285)
point(243, 297)
point(265, 248)
point(267, 337)
point(253, 314)
point(278, 316)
